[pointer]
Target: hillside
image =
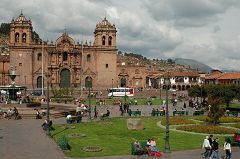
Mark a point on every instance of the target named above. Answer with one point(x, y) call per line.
point(193, 64)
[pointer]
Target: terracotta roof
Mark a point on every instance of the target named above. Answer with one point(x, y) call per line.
point(214, 76)
point(184, 74)
point(230, 75)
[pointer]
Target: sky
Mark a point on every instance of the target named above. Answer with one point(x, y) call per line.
point(204, 30)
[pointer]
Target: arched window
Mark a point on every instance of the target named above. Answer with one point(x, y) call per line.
point(103, 40)
point(88, 82)
point(65, 56)
point(123, 82)
point(88, 58)
point(17, 37)
point(24, 37)
point(110, 41)
point(39, 56)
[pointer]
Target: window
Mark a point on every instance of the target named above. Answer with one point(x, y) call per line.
point(20, 64)
point(103, 40)
point(39, 56)
point(24, 37)
point(110, 41)
point(65, 56)
point(88, 58)
point(106, 65)
point(17, 37)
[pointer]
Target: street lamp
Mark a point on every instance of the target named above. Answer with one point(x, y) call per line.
point(89, 86)
point(48, 113)
point(112, 88)
point(201, 91)
point(167, 144)
point(160, 91)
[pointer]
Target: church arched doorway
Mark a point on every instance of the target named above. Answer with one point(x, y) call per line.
point(123, 82)
point(65, 78)
point(39, 82)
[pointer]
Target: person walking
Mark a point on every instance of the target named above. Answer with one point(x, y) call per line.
point(227, 149)
point(206, 145)
point(215, 151)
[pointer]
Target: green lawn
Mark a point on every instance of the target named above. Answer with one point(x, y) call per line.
point(114, 137)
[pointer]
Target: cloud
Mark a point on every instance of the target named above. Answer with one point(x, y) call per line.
point(204, 30)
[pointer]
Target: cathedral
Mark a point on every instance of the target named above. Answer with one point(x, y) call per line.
point(67, 62)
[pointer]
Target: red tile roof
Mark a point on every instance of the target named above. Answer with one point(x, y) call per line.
point(230, 75)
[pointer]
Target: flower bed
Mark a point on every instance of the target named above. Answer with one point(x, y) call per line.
point(222, 119)
point(177, 121)
point(208, 129)
point(235, 126)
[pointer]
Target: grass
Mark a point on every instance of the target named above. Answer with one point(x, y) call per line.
point(114, 137)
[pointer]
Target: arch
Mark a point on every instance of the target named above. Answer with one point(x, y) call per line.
point(188, 86)
point(65, 56)
point(24, 37)
point(39, 56)
point(65, 78)
point(88, 82)
point(39, 82)
point(88, 58)
point(123, 82)
point(103, 40)
point(174, 86)
point(179, 87)
point(16, 37)
point(183, 87)
point(110, 41)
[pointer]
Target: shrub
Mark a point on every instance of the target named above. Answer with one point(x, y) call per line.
point(34, 104)
point(177, 121)
point(221, 120)
point(63, 143)
point(208, 129)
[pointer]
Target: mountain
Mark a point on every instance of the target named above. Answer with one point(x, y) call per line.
point(193, 64)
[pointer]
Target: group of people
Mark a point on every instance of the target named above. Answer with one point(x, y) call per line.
point(156, 111)
point(211, 147)
point(11, 113)
point(151, 145)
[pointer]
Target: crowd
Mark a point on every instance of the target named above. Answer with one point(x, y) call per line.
point(11, 113)
point(211, 147)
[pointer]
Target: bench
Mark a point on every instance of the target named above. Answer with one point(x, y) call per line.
point(143, 145)
point(73, 119)
point(233, 113)
point(135, 113)
point(198, 113)
point(179, 113)
point(158, 113)
point(233, 142)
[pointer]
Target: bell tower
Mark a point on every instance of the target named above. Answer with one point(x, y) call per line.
point(20, 31)
point(105, 34)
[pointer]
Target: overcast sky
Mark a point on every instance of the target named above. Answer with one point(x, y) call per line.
point(204, 30)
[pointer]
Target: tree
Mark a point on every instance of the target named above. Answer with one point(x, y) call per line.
point(216, 110)
point(5, 28)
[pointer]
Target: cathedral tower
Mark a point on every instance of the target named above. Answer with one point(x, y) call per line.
point(20, 30)
point(105, 34)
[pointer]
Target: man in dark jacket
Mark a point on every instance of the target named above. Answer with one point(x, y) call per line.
point(215, 151)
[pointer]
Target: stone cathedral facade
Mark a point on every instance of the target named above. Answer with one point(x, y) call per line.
point(68, 63)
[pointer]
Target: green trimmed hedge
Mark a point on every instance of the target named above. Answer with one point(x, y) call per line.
point(208, 129)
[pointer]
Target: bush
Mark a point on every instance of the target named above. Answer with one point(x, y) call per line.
point(34, 104)
point(63, 143)
point(208, 129)
point(221, 120)
point(177, 121)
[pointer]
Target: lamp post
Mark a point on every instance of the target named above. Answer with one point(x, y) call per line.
point(160, 91)
point(48, 113)
point(201, 92)
point(89, 86)
point(112, 88)
point(167, 144)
